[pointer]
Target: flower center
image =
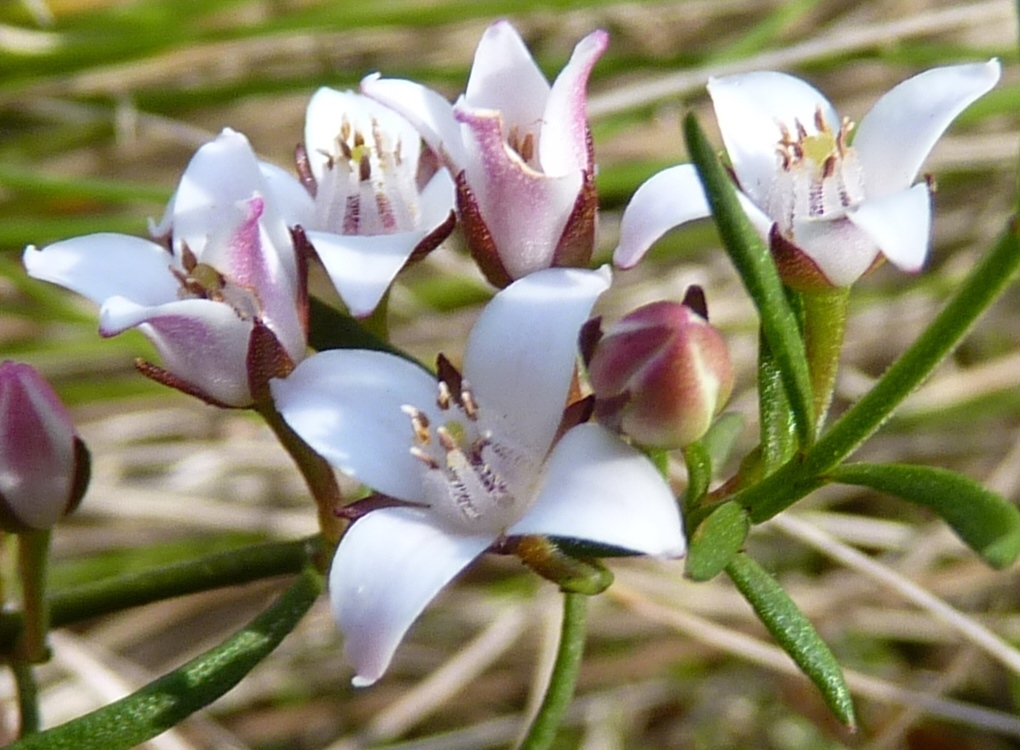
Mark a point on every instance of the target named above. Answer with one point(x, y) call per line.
point(469, 476)
point(368, 187)
point(819, 175)
point(203, 281)
point(523, 144)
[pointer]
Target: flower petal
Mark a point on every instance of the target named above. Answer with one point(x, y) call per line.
point(524, 210)
point(346, 404)
point(521, 353)
point(841, 251)
point(427, 111)
point(201, 341)
point(598, 488)
point(100, 266)
point(750, 108)
point(286, 192)
point(362, 268)
point(437, 200)
point(504, 77)
point(563, 143)
point(388, 567)
point(895, 137)
point(666, 200)
point(900, 224)
point(221, 174)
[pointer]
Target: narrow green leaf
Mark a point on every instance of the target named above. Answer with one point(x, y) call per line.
point(753, 262)
point(716, 541)
point(778, 431)
point(699, 472)
point(792, 630)
point(985, 521)
point(329, 328)
point(165, 702)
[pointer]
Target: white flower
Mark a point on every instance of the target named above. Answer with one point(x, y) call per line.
point(230, 267)
point(520, 150)
point(477, 459)
point(365, 211)
point(830, 201)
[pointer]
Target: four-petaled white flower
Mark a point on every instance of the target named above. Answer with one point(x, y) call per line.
point(520, 150)
point(371, 202)
point(230, 267)
point(830, 205)
point(472, 461)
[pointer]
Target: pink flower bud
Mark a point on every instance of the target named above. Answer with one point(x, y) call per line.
point(661, 374)
point(44, 465)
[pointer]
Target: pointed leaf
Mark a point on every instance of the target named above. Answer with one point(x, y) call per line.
point(794, 633)
point(165, 702)
point(716, 541)
point(758, 273)
point(987, 522)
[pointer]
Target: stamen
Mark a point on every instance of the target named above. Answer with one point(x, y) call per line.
point(527, 149)
point(820, 125)
point(443, 398)
point(467, 400)
point(419, 423)
point(424, 457)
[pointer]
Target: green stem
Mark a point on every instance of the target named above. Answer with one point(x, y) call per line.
point(33, 559)
point(564, 677)
point(778, 426)
point(203, 574)
point(825, 314)
point(28, 698)
point(318, 476)
point(165, 702)
point(805, 473)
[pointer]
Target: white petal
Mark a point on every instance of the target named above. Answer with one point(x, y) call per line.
point(895, 137)
point(426, 110)
point(750, 108)
point(202, 342)
point(388, 567)
point(598, 488)
point(504, 77)
point(842, 252)
point(362, 268)
point(436, 200)
point(668, 199)
point(522, 351)
point(100, 266)
point(286, 192)
point(346, 404)
point(900, 224)
point(563, 144)
point(525, 211)
point(221, 174)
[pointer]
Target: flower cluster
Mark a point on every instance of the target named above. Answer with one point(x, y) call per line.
point(543, 430)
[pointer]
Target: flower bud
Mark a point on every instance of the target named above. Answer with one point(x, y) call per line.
point(661, 373)
point(44, 465)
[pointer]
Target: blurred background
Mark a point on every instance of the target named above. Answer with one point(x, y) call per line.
point(102, 103)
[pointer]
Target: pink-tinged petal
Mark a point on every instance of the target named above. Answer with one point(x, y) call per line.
point(37, 449)
point(563, 143)
point(895, 137)
point(521, 353)
point(221, 174)
point(524, 210)
point(598, 488)
point(202, 342)
point(841, 251)
point(666, 200)
point(388, 567)
point(427, 111)
point(362, 268)
point(100, 266)
point(750, 108)
point(295, 206)
point(504, 77)
point(900, 224)
point(346, 404)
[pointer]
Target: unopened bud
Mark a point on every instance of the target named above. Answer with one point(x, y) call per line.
point(44, 465)
point(661, 374)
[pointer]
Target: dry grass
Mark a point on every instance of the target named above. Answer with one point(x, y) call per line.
point(923, 628)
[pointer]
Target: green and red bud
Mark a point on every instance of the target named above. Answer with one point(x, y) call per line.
point(44, 465)
point(660, 374)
